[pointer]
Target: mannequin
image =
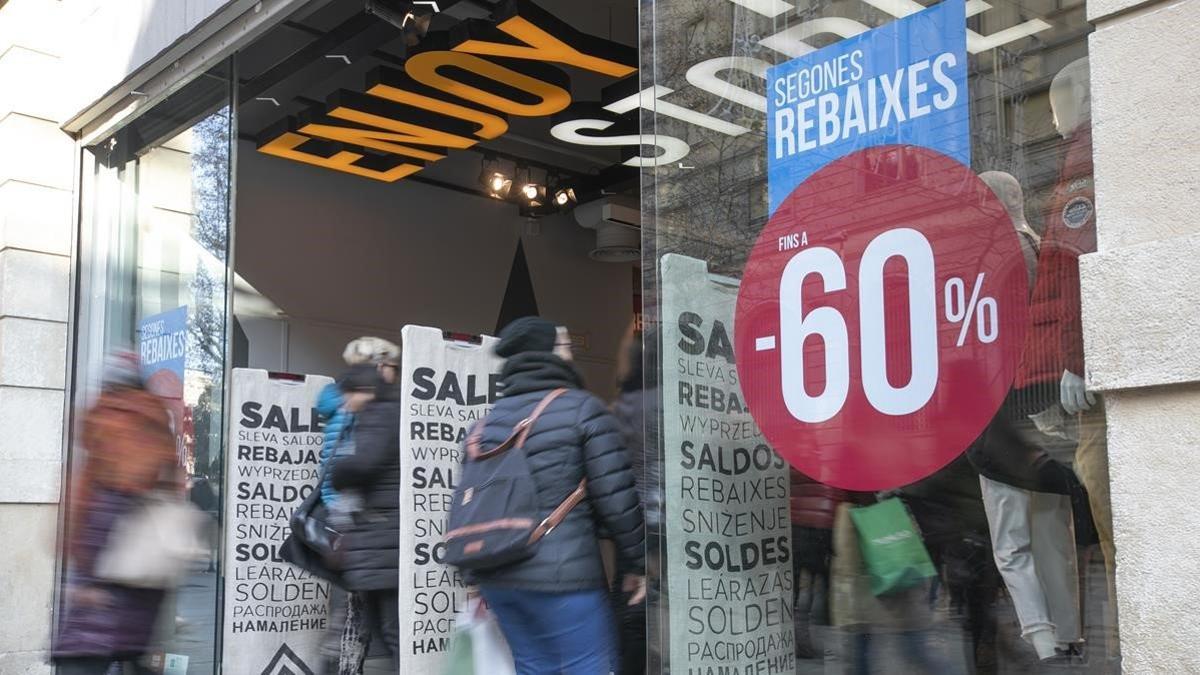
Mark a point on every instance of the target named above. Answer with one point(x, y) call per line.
point(1071, 105)
point(1026, 491)
point(1074, 205)
point(1070, 98)
point(1054, 344)
point(1008, 189)
point(1049, 415)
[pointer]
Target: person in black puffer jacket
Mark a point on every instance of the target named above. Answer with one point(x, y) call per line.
point(553, 608)
point(371, 543)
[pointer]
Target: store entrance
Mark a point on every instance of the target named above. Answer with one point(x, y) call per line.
point(371, 196)
point(325, 258)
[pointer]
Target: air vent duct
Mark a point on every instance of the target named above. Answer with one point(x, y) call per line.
point(617, 222)
point(617, 243)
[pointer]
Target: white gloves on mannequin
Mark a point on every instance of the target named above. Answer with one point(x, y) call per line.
point(1074, 394)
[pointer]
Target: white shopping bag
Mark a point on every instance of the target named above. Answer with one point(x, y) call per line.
point(489, 649)
point(156, 545)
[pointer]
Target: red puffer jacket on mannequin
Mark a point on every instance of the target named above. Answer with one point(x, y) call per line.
point(1054, 341)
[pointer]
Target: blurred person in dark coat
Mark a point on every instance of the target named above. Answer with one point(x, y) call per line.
point(371, 474)
point(636, 411)
point(813, 507)
point(130, 451)
point(347, 637)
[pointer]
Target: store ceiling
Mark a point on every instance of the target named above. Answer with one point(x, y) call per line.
point(300, 62)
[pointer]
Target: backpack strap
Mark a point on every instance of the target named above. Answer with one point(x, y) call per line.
point(526, 424)
point(559, 514)
point(519, 433)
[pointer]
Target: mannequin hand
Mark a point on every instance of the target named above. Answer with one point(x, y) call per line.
point(635, 584)
point(1074, 395)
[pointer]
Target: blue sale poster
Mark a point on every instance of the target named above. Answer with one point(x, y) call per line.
point(902, 83)
point(162, 346)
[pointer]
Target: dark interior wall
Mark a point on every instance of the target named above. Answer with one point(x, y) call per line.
point(344, 256)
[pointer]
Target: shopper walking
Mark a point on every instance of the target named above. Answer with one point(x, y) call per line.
point(553, 607)
point(813, 509)
point(130, 451)
point(948, 507)
point(346, 643)
point(636, 409)
point(370, 474)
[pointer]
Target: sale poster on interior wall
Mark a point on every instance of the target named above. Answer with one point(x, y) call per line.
point(275, 613)
point(727, 513)
point(447, 386)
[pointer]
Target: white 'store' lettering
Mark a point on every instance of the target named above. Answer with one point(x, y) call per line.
point(706, 75)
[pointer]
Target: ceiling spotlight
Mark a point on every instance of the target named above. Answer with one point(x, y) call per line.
point(532, 192)
point(499, 185)
point(493, 178)
point(564, 196)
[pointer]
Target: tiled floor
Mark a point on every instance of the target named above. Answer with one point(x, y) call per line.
point(194, 614)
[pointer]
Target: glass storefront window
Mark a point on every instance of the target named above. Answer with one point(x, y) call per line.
point(154, 281)
point(862, 223)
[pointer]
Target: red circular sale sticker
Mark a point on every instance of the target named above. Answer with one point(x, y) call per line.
point(881, 317)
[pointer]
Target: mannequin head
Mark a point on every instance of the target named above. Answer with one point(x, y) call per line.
point(1071, 98)
point(1008, 190)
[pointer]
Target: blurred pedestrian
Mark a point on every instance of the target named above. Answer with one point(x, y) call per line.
point(204, 496)
point(813, 509)
point(553, 607)
point(130, 452)
point(346, 643)
point(370, 474)
point(948, 508)
point(636, 413)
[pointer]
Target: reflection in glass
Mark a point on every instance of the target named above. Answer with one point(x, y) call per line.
point(155, 283)
point(1015, 518)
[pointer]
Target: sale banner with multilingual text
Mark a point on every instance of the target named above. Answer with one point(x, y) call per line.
point(275, 613)
point(883, 307)
point(903, 83)
point(726, 492)
point(448, 385)
point(162, 342)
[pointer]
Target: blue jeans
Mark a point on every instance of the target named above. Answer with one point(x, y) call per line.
point(918, 647)
point(555, 633)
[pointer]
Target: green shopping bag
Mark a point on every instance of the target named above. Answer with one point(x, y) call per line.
point(460, 657)
point(891, 545)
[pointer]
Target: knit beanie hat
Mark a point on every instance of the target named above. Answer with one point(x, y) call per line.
point(370, 349)
point(527, 334)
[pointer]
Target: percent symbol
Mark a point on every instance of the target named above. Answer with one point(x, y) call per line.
point(960, 310)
